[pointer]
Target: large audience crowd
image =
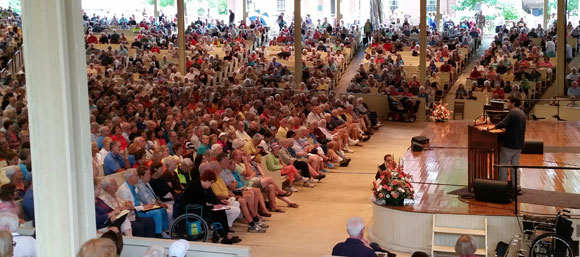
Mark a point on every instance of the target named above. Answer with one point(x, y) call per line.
point(162, 141)
point(222, 134)
point(10, 35)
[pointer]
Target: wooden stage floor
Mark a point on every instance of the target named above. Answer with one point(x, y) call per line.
point(443, 169)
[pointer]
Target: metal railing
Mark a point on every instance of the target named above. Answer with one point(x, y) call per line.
point(516, 167)
point(529, 104)
point(14, 65)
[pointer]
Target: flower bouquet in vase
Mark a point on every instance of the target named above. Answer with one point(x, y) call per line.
point(440, 112)
point(393, 187)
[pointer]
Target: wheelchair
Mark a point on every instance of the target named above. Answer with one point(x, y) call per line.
point(403, 110)
point(193, 225)
point(548, 236)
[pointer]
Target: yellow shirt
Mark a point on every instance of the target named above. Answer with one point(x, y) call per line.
point(219, 188)
point(281, 134)
point(250, 148)
point(508, 77)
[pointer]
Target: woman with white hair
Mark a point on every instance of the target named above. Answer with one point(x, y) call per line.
point(140, 226)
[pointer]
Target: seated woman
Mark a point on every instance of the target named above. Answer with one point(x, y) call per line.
point(476, 75)
point(107, 216)
point(140, 226)
point(275, 165)
point(8, 204)
point(199, 192)
point(461, 92)
point(545, 63)
point(285, 52)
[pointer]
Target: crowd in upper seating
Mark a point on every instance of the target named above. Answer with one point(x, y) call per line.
point(514, 65)
point(178, 141)
point(10, 35)
point(383, 69)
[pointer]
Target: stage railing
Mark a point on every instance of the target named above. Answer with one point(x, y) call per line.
point(557, 102)
point(522, 167)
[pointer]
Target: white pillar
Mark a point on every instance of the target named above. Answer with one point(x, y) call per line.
point(422, 41)
point(155, 11)
point(297, 43)
point(546, 15)
point(181, 36)
point(338, 14)
point(59, 125)
point(245, 10)
point(561, 47)
point(438, 16)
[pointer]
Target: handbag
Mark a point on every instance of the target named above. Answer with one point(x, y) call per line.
point(194, 228)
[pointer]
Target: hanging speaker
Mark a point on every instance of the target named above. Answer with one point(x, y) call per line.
point(493, 191)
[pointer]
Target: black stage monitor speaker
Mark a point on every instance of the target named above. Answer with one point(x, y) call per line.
point(533, 147)
point(492, 191)
point(421, 140)
point(416, 147)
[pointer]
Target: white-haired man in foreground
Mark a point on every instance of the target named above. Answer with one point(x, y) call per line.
point(355, 245)
point(23, 245)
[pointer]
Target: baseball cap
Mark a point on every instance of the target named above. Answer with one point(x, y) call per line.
point(178, 248)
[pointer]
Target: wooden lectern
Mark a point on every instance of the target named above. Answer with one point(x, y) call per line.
point(483, 152)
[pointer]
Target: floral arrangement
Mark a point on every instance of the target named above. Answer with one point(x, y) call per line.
point(440, 112)
point(393, 187)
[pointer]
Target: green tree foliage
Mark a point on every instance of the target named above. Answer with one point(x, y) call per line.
point(470, 4)
point(15, 5)
point(162, 3)
point(571, 7)
point(509, 12)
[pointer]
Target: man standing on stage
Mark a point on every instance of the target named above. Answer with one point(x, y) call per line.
point(515, 130)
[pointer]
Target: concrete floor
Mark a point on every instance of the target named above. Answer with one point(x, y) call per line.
point(319, 223)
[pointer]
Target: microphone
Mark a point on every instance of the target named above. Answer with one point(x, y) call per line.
point(478, 118)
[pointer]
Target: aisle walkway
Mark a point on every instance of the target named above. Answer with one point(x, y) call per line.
point(354, 64)
point(314, 228)
point(463, 77)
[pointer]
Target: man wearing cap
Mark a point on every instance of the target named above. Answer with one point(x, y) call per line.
point(178, 248)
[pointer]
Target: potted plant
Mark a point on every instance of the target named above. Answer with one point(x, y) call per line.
point(393, 187)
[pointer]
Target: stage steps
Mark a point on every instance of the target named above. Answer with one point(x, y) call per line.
point(440, 231)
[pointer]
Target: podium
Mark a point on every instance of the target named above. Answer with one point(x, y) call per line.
point(483, 148)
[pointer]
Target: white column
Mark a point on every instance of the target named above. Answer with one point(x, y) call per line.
point(245, 10)
point(59, 125)
point(338, 14)
point(438, 16)
point(422, 41)
point(546, 15)
point(297, 43)
point(181, 36)
point(561, 47)
point(155, 11)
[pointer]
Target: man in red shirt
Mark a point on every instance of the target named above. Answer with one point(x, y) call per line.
point(388, 46)
point(92, 39)
point(498, 93)
point(445, 67)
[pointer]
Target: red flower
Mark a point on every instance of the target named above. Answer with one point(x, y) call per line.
point(385, 186)
point(381, 195)
point(395, 182)
point(389, 188)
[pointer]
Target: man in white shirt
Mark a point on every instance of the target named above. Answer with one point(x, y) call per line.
point(25, 246)
point(241, 133)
